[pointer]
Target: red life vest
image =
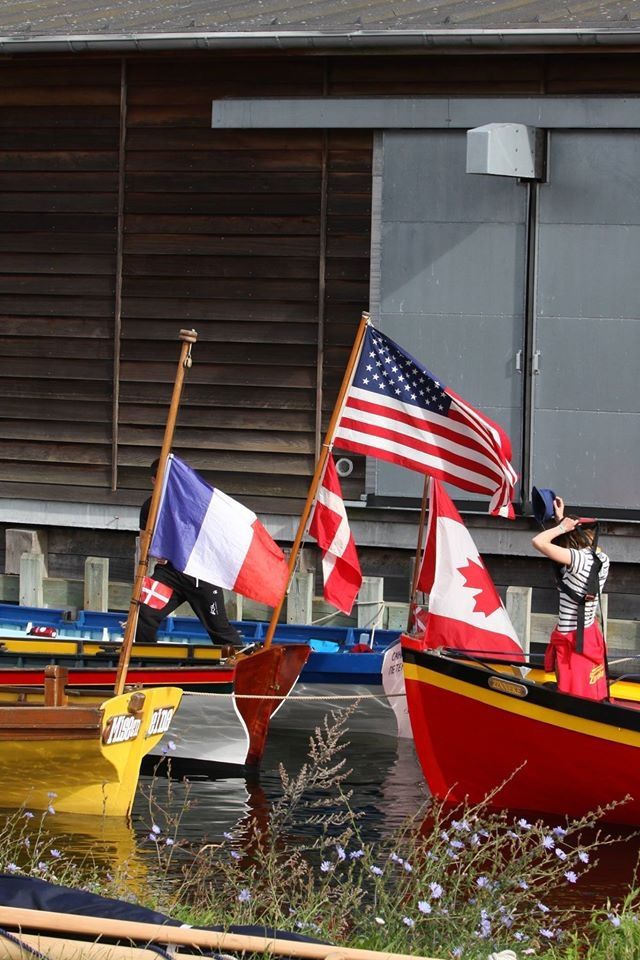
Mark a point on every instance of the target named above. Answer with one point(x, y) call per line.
point(581, 674)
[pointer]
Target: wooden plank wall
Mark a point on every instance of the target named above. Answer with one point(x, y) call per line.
point(58, 196)
point(222, 232)
point(226, 232)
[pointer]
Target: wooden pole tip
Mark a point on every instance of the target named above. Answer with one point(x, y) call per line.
point(189, 336)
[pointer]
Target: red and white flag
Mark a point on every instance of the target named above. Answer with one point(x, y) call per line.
point(330, 527)
point(465, 610)
point(396, 410)
point(155, 594)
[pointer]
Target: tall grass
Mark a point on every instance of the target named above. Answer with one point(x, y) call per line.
point(460, 882)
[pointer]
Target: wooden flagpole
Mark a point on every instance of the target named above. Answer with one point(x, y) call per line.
point(188, 338)
point(322, 461)
point(148, 933)
point(416, 564)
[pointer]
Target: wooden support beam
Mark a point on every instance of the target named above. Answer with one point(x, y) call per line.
point(300, 598)
point(19, 541)
point(371, 603)
point(518, 604)
point(96, 584)
point(31, 591)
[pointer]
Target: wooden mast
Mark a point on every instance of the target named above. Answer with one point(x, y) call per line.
point(188, 337)
point(319, 471)
point(419, 544)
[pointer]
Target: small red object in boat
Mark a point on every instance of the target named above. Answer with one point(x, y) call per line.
point(43, 632)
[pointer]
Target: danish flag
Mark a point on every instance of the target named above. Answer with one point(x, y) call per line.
point(330, 527)
point(155, 594)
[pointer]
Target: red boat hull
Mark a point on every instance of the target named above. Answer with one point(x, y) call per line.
point(477, 730)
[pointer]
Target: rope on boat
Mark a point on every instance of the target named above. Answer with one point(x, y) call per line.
point(296, 697)
point(28, 950)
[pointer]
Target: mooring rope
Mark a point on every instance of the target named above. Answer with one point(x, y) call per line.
point(301, 696)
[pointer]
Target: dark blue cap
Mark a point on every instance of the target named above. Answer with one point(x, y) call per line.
point(542, 504)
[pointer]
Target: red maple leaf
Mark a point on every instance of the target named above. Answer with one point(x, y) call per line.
point(476, 577)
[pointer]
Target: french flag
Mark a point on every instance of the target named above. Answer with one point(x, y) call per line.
point(209, 536)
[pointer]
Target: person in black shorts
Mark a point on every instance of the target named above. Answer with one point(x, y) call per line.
point(206, 599)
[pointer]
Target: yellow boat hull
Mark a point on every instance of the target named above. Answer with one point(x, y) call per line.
point(83, 758)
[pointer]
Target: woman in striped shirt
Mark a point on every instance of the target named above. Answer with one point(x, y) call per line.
point(577, 655)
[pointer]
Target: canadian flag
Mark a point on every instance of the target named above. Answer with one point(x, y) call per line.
point(155, 594)
point(330, 527)
point(465, 611)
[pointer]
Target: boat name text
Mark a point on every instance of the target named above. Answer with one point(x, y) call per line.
point(508, 686)
point(160, 721)
point(121, 728)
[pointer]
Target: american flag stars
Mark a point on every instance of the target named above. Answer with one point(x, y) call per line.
point(402, 377)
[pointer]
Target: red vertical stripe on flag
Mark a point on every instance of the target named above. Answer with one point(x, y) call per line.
point(330, 527)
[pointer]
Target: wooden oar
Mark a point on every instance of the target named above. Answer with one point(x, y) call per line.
point(59, 948)
point(69, 924)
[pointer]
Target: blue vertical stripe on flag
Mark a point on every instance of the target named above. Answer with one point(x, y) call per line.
point(183, 507)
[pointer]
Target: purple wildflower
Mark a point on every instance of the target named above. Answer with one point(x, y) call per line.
point(436, 890)
point(244, 896)
point(408, 922)
point(376, 870)
point(571, 876)
point(424, 906)
point(55, 854)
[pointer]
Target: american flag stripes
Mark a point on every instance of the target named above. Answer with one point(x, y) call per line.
point(396, 410)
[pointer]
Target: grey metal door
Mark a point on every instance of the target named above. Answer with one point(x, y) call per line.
point(451, 256)
point(586, 419)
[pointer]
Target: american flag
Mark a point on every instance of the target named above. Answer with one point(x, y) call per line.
point(396, 410)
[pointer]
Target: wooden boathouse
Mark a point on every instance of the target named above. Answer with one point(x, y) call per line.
point(264, 177)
